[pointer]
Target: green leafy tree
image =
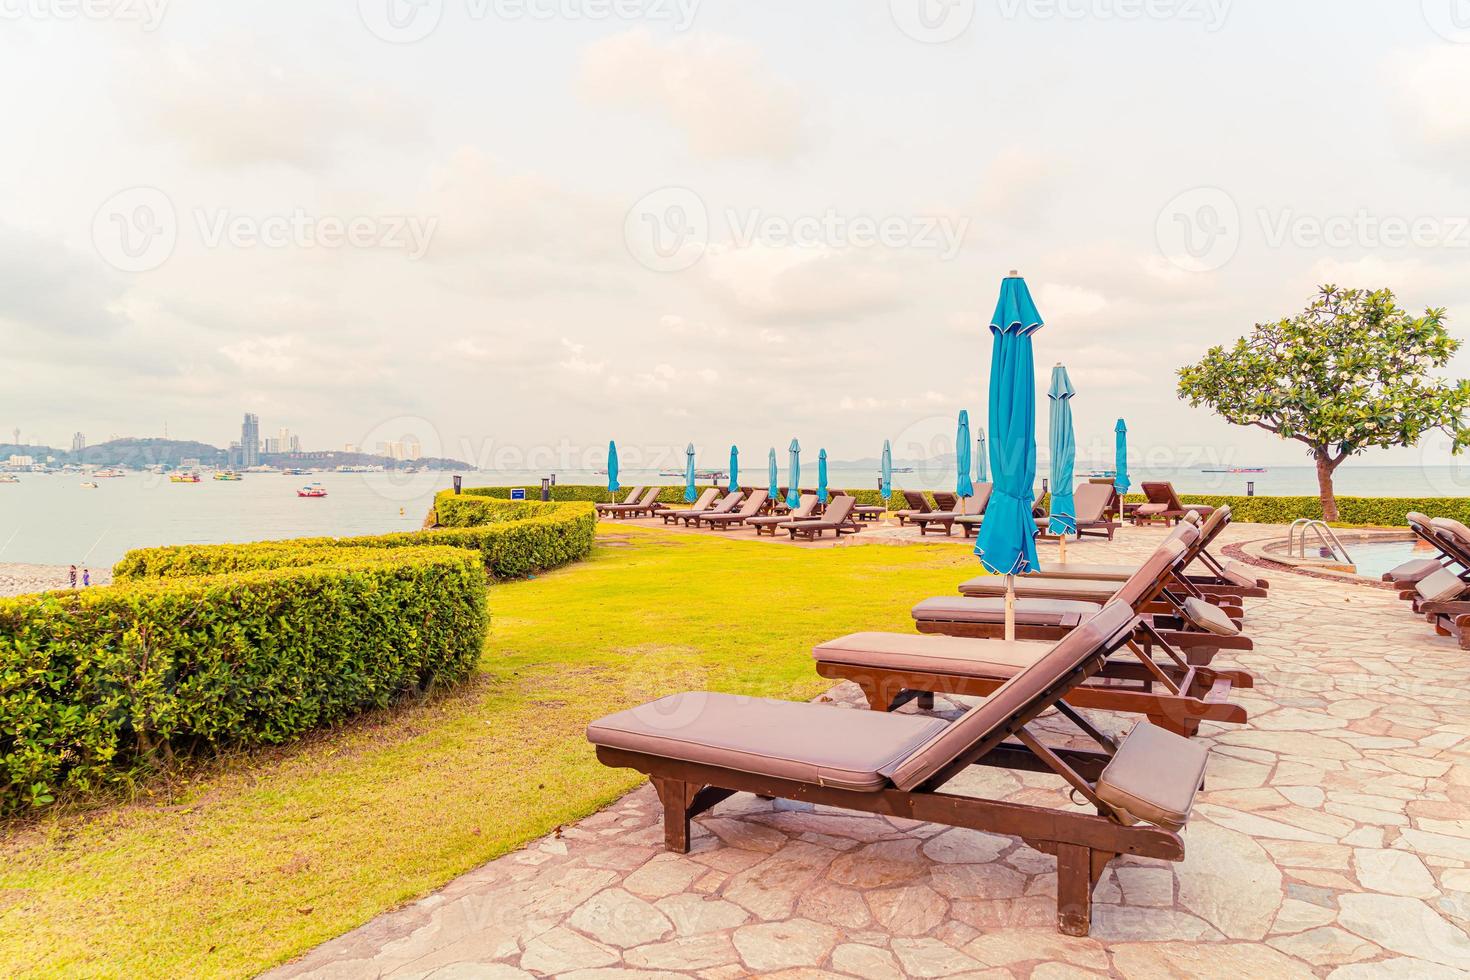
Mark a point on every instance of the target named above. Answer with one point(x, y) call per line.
point(1350, 373)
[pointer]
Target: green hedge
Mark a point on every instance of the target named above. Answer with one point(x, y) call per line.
point(667, 495)
point(97, 685)
point(514, 539)
point(1352, 511)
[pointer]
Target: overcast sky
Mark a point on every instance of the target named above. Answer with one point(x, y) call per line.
point(509, 224)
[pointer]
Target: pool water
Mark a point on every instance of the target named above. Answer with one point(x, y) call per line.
point(1373, 558)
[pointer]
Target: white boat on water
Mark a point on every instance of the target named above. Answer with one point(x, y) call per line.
point(88, 485)
point(8, 478)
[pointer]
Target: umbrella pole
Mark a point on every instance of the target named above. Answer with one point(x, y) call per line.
point(1010, 608)
point(1062, 547)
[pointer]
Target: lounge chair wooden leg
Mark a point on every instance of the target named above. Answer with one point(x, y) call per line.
point(925, 700)
point(677, 797)
point(1077, 871)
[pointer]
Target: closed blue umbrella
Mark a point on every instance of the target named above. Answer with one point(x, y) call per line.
point(775, 492)
point(1063, 453)
point(689, 495)
point(793, 492)
point(612, 467)
point(734, 468)
point(963, 486)
point(822, 477)
point(887, 486)
point(982, 463)
point(1120, 457)
point(1007, 540)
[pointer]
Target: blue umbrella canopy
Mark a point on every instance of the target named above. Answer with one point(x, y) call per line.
point(1120, 457)
point(612, 467)
point(690, 496)
point(734, 467)
point(1007, 540)
point(1063, 453)
point(887, 486)
point(982, 471)
point(822, 477)
point(793, 492)
point(775, 491)
point(963, 486)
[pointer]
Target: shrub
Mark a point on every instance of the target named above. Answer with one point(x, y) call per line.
point(98, 684)
point(1352, 511)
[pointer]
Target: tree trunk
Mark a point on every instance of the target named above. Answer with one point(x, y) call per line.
point(1325, 467)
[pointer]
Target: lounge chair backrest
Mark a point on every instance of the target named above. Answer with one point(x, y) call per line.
point(705, 500)
point(753, 503)
point(1144, 583)
point(649, 496)
point(946, 502)
point(806, 506)
point(1452, 529)
point(1091, 501)
point(916, 501)
point(1162, 493)
point(727, 503)
point(838, 510)
point(1192, 516)
point(633, 495)
point(976, 505)
point(1015, 702)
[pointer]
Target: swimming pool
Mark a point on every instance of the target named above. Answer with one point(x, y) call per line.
point(1373, 558)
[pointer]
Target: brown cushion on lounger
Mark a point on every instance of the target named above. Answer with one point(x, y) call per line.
point(1022, 693)
point(1150, 510)
point(1441, 586)
point(1240, 574)
point(917, 651)
point(1209, 617)
point(1029, 612)
point(797, 740)
point(1083, 590)
point(1154, 776)
point(1453, 528)
point(1413, 571)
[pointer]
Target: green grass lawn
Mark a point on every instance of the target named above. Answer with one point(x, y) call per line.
point(256, 859)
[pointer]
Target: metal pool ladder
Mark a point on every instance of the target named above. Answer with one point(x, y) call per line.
point(1296, 545)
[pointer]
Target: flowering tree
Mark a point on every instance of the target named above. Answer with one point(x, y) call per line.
point(1349, 373)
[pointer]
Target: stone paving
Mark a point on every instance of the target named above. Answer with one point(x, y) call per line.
point(1332, 840)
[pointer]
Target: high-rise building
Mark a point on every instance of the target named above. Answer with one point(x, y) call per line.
point(250, 440)
point(78, 442)
point(272, 445)
point(294, 445)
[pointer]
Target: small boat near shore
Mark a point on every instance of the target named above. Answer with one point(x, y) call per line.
point(88, 485)
point(183, 478)
point(228, 476)
point(8, 478)
point(312, 490)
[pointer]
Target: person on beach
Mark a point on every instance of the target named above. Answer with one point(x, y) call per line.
point(86, 577)
point(73, 575)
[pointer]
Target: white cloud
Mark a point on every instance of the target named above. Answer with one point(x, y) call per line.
point(717, 91)
point(1429, 86)
point(793, 284)
point(574, 362)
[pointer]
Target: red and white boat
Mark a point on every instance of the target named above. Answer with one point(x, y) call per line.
point(312, 490)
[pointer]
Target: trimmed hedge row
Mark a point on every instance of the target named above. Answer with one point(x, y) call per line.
point(667, 495)
point(513, 538)
point(1352, 511)
point(98, 685)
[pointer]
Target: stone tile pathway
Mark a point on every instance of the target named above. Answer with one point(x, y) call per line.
point(1333, 840)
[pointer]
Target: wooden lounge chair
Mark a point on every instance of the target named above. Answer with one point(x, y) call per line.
point(893, 668)
point(1408, 574)
point(972, 510)
point(1091, 502)
point(645, 506)
point(1164, 505)
point(705, 502)
point(604, 510)
point(946, 501)
point(1443, 597)
point(701, 748)
point(864, 512)
point(726, 505)
point(917, 504)
point(770, 522)
point(723, 522)
point(1189, 625)
point(837, 520)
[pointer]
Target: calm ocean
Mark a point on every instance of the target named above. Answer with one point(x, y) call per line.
point(52, 520)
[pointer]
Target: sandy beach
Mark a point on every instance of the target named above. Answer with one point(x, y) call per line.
point(17, 579)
